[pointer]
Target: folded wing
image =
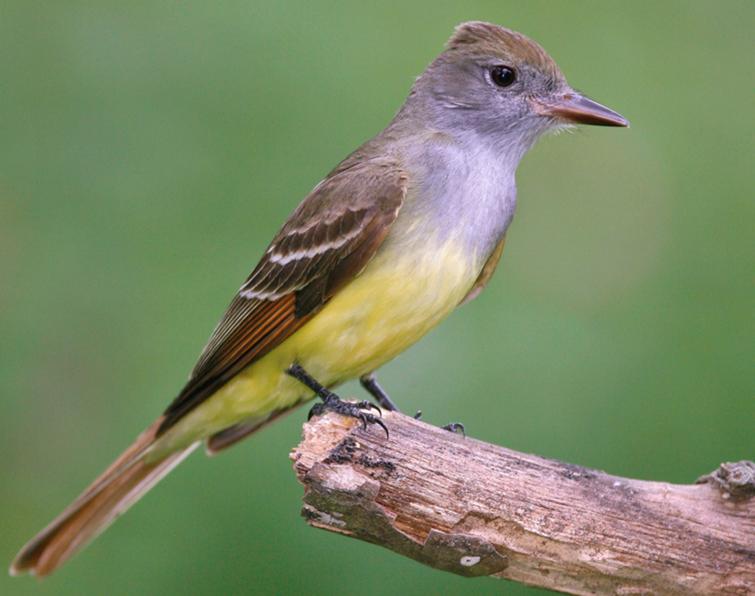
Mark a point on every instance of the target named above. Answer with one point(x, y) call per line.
point(326, 242)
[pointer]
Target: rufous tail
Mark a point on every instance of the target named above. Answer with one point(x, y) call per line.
point(120, 486)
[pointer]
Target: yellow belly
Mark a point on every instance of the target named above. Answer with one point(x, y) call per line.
point(396, 300)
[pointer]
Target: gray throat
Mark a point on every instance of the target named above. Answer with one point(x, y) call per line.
point(463, 186)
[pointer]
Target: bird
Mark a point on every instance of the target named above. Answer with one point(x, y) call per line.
point(404, 230)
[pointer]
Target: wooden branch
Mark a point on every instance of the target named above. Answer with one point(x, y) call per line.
point(476, 509)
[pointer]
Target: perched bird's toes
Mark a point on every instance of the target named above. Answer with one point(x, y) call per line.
point(367, 418)
point(351, 409)
point(455, 427)
point(368, 405)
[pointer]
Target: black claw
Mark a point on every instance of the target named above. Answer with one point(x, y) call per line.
point(346, 408)
point(315, 410)
point(383, 426)
point(366, 405)
point(455, 427)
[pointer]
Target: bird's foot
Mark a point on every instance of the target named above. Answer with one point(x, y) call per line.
point(370, 383)
point(331, 401)
point(453, 427)
point(356, 410)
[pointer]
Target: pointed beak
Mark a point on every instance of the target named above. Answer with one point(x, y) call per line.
point(573, 107)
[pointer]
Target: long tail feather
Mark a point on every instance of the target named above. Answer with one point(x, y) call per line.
point(119, 487)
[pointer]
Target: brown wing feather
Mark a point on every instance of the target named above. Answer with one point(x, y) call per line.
point(258, 333)
point(327, 241)
point(238, 432)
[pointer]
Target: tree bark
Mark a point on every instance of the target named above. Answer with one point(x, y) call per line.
point(476, 509)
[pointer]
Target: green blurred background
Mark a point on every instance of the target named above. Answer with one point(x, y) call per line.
point(151, 149)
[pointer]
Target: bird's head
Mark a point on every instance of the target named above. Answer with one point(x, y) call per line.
point(495, 81)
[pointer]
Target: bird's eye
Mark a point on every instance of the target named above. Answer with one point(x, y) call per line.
point(503, 76)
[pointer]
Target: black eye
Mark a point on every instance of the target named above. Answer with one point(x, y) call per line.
point(503, 76)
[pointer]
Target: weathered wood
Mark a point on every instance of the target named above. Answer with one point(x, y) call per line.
point(475, 509)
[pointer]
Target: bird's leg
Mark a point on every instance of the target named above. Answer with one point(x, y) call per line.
point(331, 401)
point(371, 385)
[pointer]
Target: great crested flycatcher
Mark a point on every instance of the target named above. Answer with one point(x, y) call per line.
point(405, 229)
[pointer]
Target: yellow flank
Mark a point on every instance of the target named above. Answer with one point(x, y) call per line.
point(398, 298)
